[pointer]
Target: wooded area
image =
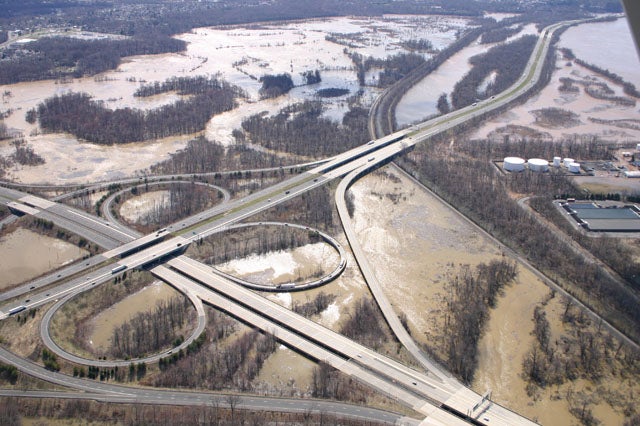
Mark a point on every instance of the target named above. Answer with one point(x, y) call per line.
point(275, 85)
point(300, 129)
point(498, 35)
point(80, 115)
point(506, 61)
point(60, 57)
point(468, 297)
point(150, 332)
point(480, 192)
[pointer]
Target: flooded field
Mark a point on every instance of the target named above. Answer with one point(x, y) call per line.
point(420, 101)
point(608, 45)
point(25, 255)
point(103, 325)
point(594, 116)
point(297, 266)
point(241, 56)
point(418, 244)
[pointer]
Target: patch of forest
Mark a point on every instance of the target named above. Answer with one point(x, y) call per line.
point(498, 35)
point(300, 129)
point(23, 154)
point(244, 242)
point(473, 185)
point(183, 200)
point(85, 118)
point(469, 296)
point(417, 45)
point(63, 57)
point(275, 85)
point(149, 332)
point(183, 86)
point(394, 68)
point(507, 61)
point(332, 92)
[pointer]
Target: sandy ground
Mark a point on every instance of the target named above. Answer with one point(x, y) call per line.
point(25, 255)
point(144, 300)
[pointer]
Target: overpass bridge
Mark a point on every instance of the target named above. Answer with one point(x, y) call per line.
point(420, 391)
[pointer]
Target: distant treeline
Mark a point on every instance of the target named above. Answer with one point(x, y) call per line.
point(78, 114)
point(64, 57)
point(187, 86)
point(300, 129)
point(508, 61)
point(394, 67)
point(499, 34)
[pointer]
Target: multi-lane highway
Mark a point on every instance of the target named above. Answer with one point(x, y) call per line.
point(426, 393)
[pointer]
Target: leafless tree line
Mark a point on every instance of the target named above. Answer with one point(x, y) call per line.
point(243, 242)
point(315, 306)
point(469, 295)
point(147, 332)
point(218, 412)
point(482, 193)
point(584, 351)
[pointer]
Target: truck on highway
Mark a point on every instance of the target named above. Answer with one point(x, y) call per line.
point(17, 309)
point(288, 286)
point(118, 269)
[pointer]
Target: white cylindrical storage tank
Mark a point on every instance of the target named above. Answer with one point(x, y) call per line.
point(538, 165)
point(556, 161)
point(574, 167)
point(638, 147)
point(513, 164)
point(567, 161)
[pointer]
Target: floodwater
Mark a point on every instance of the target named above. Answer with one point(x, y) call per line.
point(418, 244)
point(25, 255)
point(608, 45)
point(241, 56)
point(586, 107)
point(421, 100)
point(283, 267)
point(144, 300)
point(133, 209)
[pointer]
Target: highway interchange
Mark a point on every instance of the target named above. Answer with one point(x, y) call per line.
point(434, 394)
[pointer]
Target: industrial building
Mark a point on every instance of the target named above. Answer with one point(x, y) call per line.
point(597, 218)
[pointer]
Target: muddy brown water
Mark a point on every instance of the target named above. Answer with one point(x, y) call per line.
point(25, 255)
point(145, 300)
